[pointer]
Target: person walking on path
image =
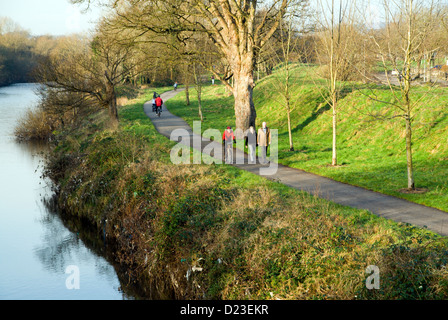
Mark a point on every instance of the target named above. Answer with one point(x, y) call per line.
point(251, 143)
point(228, 138)
point(213, 80)
point(175, 86)
point(264, 140)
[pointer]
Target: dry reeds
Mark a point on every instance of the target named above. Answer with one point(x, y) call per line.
point(34, 125)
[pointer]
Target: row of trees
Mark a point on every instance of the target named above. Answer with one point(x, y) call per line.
point(19, 53)
point(235, 40)
point(223, 37)
point(144, 39)
point(412, 30)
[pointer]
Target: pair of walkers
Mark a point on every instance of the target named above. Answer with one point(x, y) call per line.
point(262, 138)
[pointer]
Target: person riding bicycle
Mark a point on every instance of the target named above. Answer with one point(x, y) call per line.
point(228, 138)
point(153, 105)
point(159, 103)
point(154, 96)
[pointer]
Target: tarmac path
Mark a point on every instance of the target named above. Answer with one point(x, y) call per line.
point(389, 207)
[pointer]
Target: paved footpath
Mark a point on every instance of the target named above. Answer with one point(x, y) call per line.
point(389, 207)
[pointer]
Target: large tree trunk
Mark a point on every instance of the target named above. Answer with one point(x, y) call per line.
point(245, 113)
point(113, 111)
point(112, 103)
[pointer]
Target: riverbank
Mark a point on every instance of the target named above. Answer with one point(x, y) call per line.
point(216, 232)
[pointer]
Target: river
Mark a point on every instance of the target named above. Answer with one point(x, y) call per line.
point(40, 258)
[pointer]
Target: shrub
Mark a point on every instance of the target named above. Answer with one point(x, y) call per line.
point(34, 125)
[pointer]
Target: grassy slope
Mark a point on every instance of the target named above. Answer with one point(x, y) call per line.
point(372, 152)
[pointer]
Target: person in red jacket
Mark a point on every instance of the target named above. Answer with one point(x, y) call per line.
point(228, 138)
point(159, 103)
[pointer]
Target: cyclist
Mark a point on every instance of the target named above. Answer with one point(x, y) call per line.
point(153, 105)
point(159, 103)
point(154, 96)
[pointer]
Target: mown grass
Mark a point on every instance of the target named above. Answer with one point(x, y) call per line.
point(251, 237)
point(371, 152)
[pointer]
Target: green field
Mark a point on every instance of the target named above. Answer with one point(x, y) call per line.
point(371, 152)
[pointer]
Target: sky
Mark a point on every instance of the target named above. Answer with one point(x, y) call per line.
point(50, 17)
point(371, 11)
point(60, 17)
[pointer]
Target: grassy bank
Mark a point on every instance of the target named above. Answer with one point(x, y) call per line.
point(41, 122)
point(216, 232)
point(371, 152)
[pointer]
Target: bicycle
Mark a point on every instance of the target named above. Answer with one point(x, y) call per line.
point(158, 111)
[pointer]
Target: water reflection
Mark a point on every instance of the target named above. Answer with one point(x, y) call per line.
point(62, 246)
point(36, 245)
point(58, 246)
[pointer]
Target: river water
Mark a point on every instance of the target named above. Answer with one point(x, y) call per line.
point(40, 258)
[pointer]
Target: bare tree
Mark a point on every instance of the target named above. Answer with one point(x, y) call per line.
point(92, 68)
point(198, 85)
point(186, 77)
point(285, 50)
point(335, 35)
point(409, 24)
point(198, 56)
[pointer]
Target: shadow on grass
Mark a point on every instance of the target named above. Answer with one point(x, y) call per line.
point(314, 115)
point(321, 106)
